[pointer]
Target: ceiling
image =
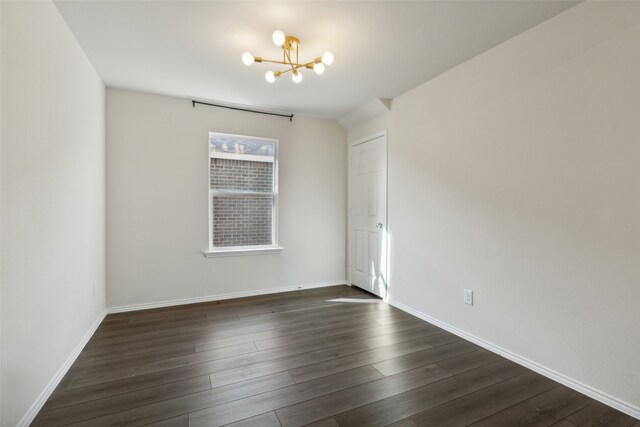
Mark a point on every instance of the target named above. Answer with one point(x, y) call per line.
point(381, 48)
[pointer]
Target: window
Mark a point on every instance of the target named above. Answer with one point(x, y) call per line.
point(243, 194)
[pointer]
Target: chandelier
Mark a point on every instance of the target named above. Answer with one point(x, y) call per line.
point(290, 46)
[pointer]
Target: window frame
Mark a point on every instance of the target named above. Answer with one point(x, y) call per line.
point(214, 251)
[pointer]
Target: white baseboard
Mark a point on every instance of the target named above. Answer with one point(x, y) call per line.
point(160, 304)
point(27, 419)
point(598, 395)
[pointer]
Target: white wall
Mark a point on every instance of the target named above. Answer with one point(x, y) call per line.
point(1, 61)
point(53, 210)
point(157, 177)
point(517, 175)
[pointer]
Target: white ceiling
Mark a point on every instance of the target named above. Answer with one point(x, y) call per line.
point(382, 48)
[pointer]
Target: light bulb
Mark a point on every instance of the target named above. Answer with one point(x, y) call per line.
point(327, 58)
point(247, 58)
point(296, 77)
point(318, 68)
point(270, 76)
point(278, 38)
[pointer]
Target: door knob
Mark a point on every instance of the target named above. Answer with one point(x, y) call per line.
point(379, 225)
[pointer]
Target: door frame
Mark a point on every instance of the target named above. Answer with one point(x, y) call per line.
point(385, 249)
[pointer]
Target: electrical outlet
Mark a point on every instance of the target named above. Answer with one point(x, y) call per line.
point(468, 296)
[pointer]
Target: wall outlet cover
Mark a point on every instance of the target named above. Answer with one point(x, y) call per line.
point(468, 296)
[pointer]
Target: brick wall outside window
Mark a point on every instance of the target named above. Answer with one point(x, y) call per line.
point(241, 220)
point(241, 175)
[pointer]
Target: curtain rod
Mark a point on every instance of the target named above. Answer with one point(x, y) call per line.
point(290, 116)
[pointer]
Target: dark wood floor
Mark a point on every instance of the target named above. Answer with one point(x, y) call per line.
point(325, 357)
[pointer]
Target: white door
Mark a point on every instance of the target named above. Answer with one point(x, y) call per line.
point(368, 215)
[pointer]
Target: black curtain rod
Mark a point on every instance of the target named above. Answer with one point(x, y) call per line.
point(290, 116)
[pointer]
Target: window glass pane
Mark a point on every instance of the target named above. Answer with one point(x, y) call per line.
point(242, 220)
point(241, 175)
point(240, 164)
point(235, 145)
point(240, 167)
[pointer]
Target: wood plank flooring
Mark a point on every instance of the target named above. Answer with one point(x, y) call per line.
point(333, 356)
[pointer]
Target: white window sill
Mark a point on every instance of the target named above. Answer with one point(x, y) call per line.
point(216, 252)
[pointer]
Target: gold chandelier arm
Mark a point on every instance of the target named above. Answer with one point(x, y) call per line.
point(273, 61)
point(291, 68)
point(295, 67)
point(309, 64)
point(287, 53)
